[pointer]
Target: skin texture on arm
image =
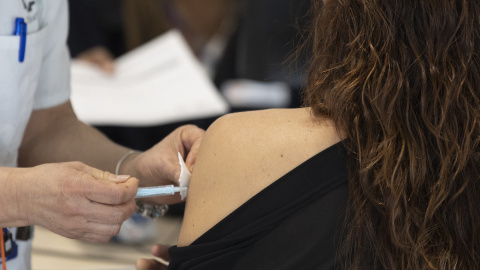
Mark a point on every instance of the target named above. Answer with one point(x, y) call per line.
point(55, 135)
point(243, 153)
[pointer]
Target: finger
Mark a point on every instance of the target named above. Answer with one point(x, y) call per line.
point(101, 231)
point(161, 251)
point(99, 56)
point(104, 64)
point(189, 135)
point(176, 171)
point(107, 65)
point(104, 175)
point(108, 192)
point(83, 228)
point(95, 238)
point(191, 138)
point(192, 155)
point(149, 264)
point(109, 214)
point(89, 233)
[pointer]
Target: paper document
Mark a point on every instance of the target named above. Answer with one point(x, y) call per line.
point(158, 83)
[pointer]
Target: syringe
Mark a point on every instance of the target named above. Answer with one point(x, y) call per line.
point(158, 191)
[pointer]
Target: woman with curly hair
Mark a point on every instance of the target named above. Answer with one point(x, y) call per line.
point(401, 80)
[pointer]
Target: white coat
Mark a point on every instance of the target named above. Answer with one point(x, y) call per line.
point(41, 81)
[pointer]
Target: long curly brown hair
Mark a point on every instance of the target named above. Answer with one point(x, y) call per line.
point(401, 78)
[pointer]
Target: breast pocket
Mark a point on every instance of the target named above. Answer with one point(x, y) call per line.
point(18, 82)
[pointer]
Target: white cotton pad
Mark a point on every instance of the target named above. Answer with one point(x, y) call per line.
point(185, 175)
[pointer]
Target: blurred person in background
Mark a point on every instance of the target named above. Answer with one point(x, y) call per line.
point(100, 31)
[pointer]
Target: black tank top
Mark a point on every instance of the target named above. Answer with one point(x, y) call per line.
point(295, 223)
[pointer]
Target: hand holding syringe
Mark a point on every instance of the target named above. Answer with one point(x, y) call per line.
point(167, 190)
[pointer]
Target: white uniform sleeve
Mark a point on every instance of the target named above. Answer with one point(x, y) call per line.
point(54, 80)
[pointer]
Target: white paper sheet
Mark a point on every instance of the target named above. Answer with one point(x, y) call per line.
point(158, 83)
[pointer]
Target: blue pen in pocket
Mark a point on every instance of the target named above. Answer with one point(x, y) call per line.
point(21, 30)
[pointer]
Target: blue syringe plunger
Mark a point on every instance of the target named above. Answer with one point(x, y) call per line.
point(158, 191)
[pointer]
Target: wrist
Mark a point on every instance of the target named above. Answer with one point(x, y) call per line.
point(14, 198)
point(122, 166)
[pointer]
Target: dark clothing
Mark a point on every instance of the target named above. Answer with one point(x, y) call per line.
point(96, 23)
point(262, 46)
point(292, 224)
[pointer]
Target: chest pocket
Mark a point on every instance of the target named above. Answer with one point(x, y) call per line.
point(18, 82)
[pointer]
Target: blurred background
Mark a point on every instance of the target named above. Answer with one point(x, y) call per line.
point(244, 46)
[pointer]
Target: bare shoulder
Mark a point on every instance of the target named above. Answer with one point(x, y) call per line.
point(243, 153)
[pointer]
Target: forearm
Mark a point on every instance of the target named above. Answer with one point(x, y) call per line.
point(11, 182)
point(55, 135)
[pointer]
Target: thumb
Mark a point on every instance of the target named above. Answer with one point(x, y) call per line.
point(104, 175)
point(107, 188)
point(192, 155)
point(177, 171)
point(190, 135)
point(161, 251)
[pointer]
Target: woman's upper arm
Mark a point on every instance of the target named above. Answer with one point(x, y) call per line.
point(213, 180)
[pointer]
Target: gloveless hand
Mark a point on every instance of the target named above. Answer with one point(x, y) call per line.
point(75, 200)
point(159, 165)
point(159, 251)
